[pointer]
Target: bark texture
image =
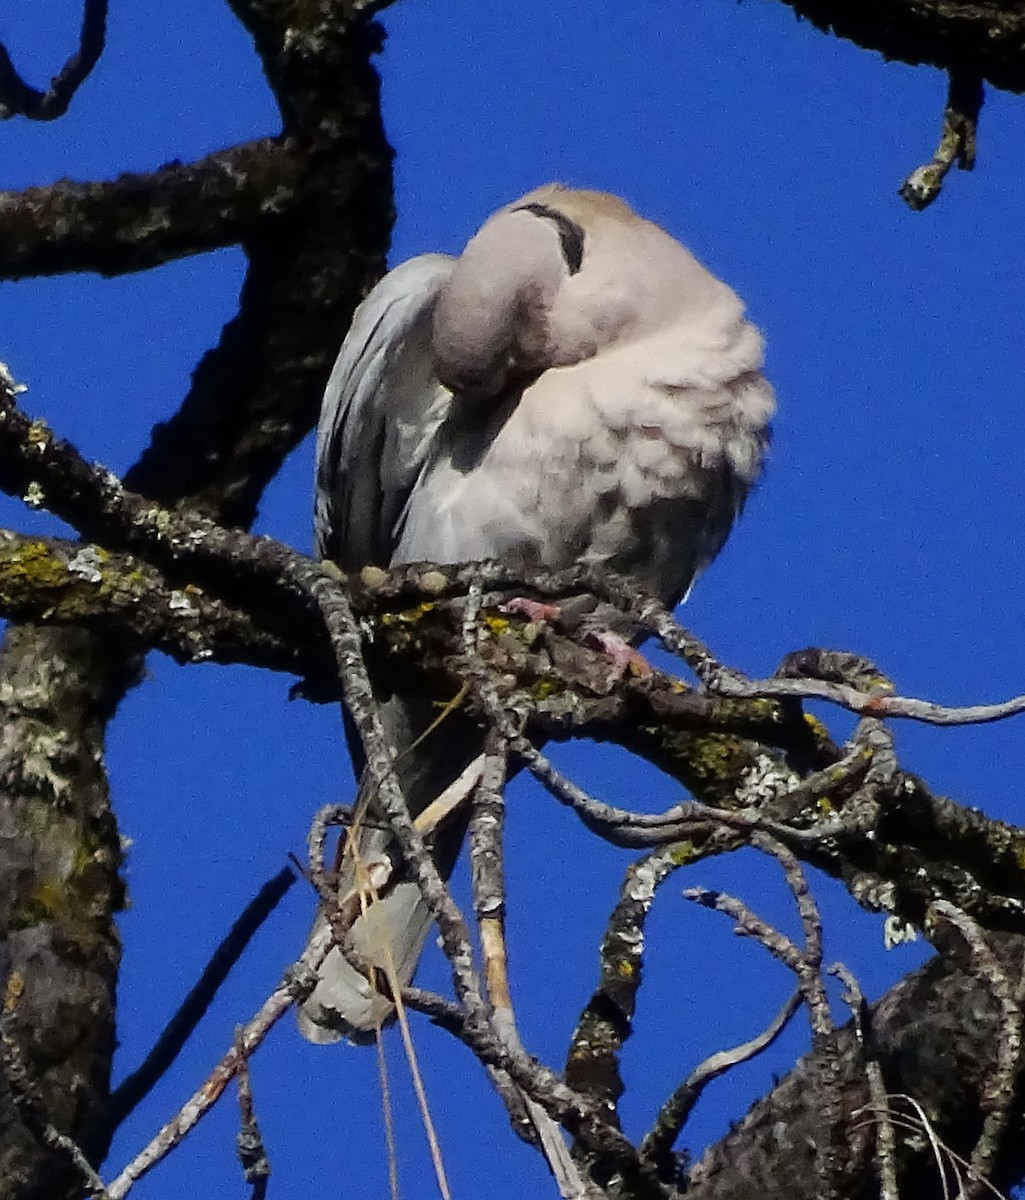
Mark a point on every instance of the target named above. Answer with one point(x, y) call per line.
point(986, 39)
point(313, 211)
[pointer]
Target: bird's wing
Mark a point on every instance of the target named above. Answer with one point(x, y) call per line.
point(382, 407)
point(612, 411)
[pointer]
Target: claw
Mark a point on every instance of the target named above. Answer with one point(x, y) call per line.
point(623, 655)
point(533, 610)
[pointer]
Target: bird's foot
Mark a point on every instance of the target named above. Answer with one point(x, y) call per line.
point(533, 610)
point(623, 655)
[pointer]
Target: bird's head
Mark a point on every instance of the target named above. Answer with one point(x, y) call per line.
point(552, 279)
point(497, 323)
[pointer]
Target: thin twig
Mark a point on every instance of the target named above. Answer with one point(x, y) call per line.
point(965, 96)
point(804, 964)
point(419, 1087)
point(811, 919)
point(387, 1114)
point(443, 1012)
point(297, 982)
point(885, 1140)
point(430, 819)
point(251, 1151)
point(136, 1086)
point(18, 98)
point(658, 1143)
point(639, 830)
point(330, 815)
point(868, 704)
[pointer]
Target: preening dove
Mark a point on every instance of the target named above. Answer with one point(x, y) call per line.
point(574, 387)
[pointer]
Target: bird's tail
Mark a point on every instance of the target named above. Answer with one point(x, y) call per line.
point(392, 928)
point(390, 934)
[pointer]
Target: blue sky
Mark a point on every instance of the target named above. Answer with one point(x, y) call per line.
point(889, 521)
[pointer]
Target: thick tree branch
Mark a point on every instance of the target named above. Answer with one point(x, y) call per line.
point(139, 221)
point(252, 399)
point(300, 46)
point(982, 37)
point(50, 581)
point(886, 862)
point(59, 890)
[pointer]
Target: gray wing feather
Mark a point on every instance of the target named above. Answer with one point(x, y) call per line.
point(381, 412)
point(382, 408)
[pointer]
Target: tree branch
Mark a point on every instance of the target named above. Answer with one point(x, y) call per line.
point(17, 98)
point(137, 1085)
point(294, 983)
point(657, 1145)
point(881, 863)
point(136, 222)
point(936, 1036)
point(957, 141)
point(58, 582)
point(253, 397)
point(982, 37)
point(592, 1063)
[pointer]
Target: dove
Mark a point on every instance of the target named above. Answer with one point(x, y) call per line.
point(574, 388)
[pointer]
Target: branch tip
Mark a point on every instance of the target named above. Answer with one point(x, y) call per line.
point(957, 145)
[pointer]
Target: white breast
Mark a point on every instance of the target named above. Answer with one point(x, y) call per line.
point(597, 463)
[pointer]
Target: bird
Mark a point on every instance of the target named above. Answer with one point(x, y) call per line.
point(574, 388)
